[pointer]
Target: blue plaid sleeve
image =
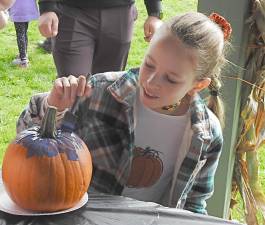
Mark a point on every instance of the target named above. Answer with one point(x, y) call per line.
point(203, 186)
point(33, 113)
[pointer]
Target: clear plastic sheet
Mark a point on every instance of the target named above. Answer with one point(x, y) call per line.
point(102, 209)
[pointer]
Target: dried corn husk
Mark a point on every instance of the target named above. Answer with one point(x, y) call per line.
point(252, 135)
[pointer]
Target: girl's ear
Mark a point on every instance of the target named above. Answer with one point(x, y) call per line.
point(199, 85)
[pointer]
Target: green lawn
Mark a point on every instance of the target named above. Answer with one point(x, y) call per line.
point(17, 85)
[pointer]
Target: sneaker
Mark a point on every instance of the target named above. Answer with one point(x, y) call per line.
point(16, 61)
point(46, 45)
point(24, 63)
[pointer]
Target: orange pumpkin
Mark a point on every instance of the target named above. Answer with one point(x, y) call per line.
point(146, 168)
point(45, 169)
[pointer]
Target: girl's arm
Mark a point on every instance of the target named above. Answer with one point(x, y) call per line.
point(203, 186)
point(62, 96)
point(5, 4)
point(33, 113)
point(3, 19)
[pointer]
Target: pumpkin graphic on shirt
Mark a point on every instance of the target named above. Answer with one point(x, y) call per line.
point(147, 168)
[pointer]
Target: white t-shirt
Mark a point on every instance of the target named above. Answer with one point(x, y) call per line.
point(162, 133)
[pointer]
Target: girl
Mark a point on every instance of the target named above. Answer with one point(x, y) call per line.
point(156, 112)
point(21, 13)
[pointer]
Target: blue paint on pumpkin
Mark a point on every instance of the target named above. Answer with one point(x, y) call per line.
point(40, 147)
point(64, 142)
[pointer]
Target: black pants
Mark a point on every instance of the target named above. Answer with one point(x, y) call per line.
point(92, 40)
point(22, 38)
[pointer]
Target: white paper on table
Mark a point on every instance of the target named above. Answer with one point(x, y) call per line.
point(8, 206)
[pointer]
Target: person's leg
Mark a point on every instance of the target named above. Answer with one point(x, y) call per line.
point(73, 47)
point(114, 39)
point(26, 36)
point(20, 28)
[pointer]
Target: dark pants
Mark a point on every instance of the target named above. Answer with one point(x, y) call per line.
point(22, 38)
point(92, 40)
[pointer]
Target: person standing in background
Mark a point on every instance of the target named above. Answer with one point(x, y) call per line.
point(92, 36)
point(21, 13)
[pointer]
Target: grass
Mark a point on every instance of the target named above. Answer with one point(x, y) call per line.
point(17, 85)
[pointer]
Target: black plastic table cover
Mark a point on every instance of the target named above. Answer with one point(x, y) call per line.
point(102, 209)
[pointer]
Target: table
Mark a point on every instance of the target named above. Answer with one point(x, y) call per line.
point(102, 209)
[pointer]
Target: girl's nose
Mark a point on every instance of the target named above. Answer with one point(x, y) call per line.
point(153, 81)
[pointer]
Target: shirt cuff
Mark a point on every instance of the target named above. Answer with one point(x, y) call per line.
point(59, 114)
point(50, 6)
point(153, 6)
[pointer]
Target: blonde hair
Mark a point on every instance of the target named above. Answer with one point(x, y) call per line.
point(198, 32)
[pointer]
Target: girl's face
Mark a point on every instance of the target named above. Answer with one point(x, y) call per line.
point(167, 72)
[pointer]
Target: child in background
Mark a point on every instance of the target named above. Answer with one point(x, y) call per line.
point(154, 112)
point(21, 13)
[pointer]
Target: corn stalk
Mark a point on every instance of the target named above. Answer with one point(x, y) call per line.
point(252, 137)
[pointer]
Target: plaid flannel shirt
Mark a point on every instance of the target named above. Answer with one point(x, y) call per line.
point(106, 124)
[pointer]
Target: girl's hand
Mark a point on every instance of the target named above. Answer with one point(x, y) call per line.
point(65, 90)
point(5, 4)
point(3, 19)
point(48, 24)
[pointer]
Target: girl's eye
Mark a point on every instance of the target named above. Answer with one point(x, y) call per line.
point(149, 65)
point(171, 81)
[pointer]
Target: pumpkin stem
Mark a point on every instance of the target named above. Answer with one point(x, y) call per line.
point(48, 129)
